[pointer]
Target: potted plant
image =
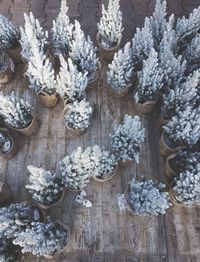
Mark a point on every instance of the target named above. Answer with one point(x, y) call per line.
point(9, 39)
point(181, 131)
point(8, 252)
point(126, 139)
point(146, 198)
point(110, 30)
point(78, 116)
point(150, 81)
point(17, 114)
point(71, 83)
point(185, 189)
point(106, 164)
point(15, 218)
point(45, 187)
point(77, 168)
point(5, 193)
point(83, 54)
point(62, 32)
point(43, 239)
point(8, 147)
point(7, 68)
point(120, 72)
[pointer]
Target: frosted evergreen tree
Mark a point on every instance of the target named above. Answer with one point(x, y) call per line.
point(187, 28)
point(120, 71)
point(45, 186)
point(184, 128)
point(62, 31)
point(40, 70)
point(147, 198)
point(110, 25)
point(32, 32)
point(126, 139)
point(71, 83)
point(150, 79)
point(192, 53)
point(42, 239)
point(15, 111)
point(9, 35)
point(83, 53)
point(181, 96)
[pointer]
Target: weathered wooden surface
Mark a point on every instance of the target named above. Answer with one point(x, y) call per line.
point(101, 233)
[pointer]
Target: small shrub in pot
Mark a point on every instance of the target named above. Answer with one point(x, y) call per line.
point(8, 147)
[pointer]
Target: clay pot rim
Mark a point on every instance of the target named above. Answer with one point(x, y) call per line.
point(101, 180)
point(166, 145)
point(172, 195)
point(44, 93)
point(149, 102)
point(98, 36)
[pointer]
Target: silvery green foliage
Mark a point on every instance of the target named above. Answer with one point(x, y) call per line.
point(110, 26)
point(105, 162)
point(32, 32)
point(15, 111)
point(192, 53)
point(9, 34)
point(71, 83)
point(40, 70)
point(15, 218)
point(184, 127)
point(79, 114)
point(5, 143)
point(187, 160)
point(7, 251)
point(42, 239)
point(77, 168)
point(147, 198)
point(187, 186)
point(182, 95)
point(45, 186)
point(83, 53)
point(142, 44)
point(127, 137)
point(150, 79)
point(62, 31)
point(120, 71)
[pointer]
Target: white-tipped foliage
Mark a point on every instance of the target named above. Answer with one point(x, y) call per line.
point(45, 186)
point(15, 111)
point(110, 26)
point(150, 79)
point(31, 32)
point(42, 239)
point(147, 198)
point(181, 95)
point(187, 187)
point(120, 71)
point(184, 128)
point(62, 31)
point(40, 71)
point(79, 114)
point(9, 35)
point(83, 53)
point(127, 137)
point(71, 83)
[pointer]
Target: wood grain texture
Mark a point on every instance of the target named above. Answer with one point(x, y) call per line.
point(102, 233)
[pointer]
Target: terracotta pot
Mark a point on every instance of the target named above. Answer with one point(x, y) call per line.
point(7, 73)
point(165, 149)
point(44, 206)
point(107, 53)
point(13, 149)
point(145, 107)
point(173, 197)
point(119, 92)
point(169, 171)
point(15, 54)
point(47, 100)
point(66, 228)
point(109, 176)
point(5, 194)
point(94, 83)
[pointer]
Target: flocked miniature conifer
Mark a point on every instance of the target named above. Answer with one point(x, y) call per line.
point(15, 111)
point(120, 71)
point(45, 186)
point(83, 53)
point(9, 35)
point(71, 83)
point(110, 25)
point(147, 198)
point(127, 137)
point(62, 31)
point(32, 32)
